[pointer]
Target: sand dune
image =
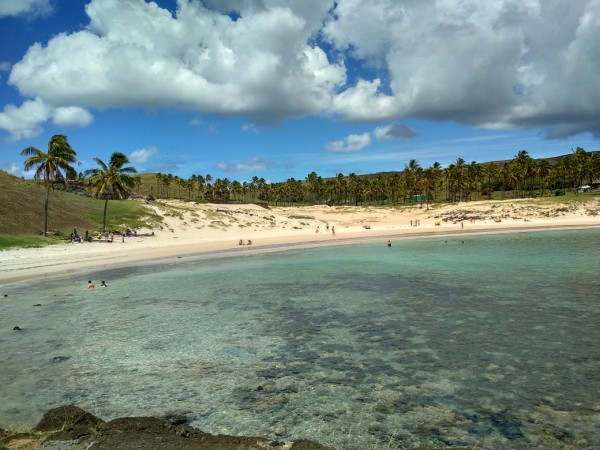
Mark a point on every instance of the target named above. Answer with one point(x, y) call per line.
point(187, 229)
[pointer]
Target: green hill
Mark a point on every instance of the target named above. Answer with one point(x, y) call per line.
point(22, 213)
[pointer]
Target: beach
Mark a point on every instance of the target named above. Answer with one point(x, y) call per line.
point(426, 341)
point(189, 229)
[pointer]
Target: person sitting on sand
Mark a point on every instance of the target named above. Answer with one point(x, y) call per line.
point(249, 242)
point(241, 242)
point(90, 284)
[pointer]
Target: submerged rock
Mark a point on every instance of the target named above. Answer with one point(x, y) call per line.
point(73, 428)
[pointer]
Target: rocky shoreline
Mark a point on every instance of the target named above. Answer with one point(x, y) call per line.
point(72, 428)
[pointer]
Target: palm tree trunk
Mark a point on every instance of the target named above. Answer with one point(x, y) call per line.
point(105, 207)
point(46, 212)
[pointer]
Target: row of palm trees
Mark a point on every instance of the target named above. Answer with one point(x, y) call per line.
point(108, 181)
point(522, 176)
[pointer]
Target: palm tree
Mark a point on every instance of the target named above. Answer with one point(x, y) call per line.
point(50, 166)
point(490, 172)
point(592, 166)
point(437, 179)
point(112, 181)
point(474, 176)
point(542, 170)
point(410, 171)
point(523, 169)
point(579, 157)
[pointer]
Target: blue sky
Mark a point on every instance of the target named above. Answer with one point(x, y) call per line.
point(280, 88)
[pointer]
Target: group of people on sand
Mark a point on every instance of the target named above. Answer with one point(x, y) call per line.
point(91, 284)
point(243, 243)
point(318, 230)
point(109, 237)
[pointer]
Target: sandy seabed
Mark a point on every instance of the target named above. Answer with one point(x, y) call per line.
point(189, 229)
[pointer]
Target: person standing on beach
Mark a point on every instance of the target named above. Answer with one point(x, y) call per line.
point(333, 231)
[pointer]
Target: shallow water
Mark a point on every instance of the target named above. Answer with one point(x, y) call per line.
point(489, 343)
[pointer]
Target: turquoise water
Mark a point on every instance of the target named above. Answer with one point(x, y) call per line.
point(490, 343)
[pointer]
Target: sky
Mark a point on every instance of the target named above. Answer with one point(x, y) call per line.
point(280, 88)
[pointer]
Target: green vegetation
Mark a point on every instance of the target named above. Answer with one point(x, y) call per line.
point(111, 181)
point(521, 177)
point(22, 214)
point(24, 204)
point(52, 167)
point(24, 241)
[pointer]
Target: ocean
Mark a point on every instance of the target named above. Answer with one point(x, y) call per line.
point(484, 341)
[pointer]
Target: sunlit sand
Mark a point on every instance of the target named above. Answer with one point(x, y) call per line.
point(189, 229)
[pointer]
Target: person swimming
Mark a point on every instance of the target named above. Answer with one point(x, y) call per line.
point(103, 284)
point(90, 284)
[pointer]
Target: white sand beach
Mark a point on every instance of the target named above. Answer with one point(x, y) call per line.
point(188, 228)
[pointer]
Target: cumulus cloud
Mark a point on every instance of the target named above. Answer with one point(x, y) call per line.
point(24, 121)
point(142, 155)
point(395, 131)
point(487, 64)
point(135, 54)
point(72, 116)
point(250, 165)
point(352, 143)
point(20, 7)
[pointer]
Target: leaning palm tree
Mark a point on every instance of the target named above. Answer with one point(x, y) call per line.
point(50, 166)
point(112, 181)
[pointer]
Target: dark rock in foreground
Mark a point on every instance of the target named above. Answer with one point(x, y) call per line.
point(73, 428)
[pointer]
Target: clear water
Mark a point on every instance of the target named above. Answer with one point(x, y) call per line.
point(490, 343)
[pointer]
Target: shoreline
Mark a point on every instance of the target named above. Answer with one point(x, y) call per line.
point(194, 235)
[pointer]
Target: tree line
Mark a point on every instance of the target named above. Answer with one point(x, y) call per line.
point(523, 176)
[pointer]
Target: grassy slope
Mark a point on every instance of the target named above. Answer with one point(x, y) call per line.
point(22, 213)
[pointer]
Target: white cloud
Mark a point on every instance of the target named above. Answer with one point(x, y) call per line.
point(19, 7)
point(495, 64)
point(488, 64)
point(142, 155)
point(72, 116)
point(137, 54)
point(395, 131)
point(24, 121)
point(352, 143)
point(252, 165)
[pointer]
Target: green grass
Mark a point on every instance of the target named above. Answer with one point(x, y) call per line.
point(25, 242)
point(22, 214)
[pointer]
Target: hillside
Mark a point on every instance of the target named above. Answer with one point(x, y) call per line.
point(22, 210)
